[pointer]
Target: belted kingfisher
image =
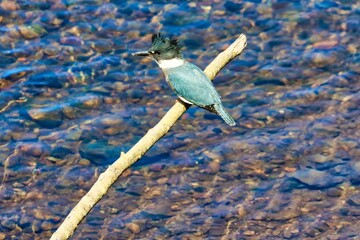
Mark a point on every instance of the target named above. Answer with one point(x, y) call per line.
point(187, 80)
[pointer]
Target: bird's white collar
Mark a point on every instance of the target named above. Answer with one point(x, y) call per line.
point(171, 63)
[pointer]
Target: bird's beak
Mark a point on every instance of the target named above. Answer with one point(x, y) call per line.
point(141, 54)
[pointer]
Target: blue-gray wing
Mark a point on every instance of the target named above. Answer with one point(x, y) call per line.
point(190, 83)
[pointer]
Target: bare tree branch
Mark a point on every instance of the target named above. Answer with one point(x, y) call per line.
point(107, 179)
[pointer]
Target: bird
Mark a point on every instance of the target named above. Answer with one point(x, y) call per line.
point(187, 80)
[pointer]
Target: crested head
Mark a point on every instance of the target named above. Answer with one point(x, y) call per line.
point(164, 48)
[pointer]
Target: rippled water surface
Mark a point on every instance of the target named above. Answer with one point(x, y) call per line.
point(72, 98)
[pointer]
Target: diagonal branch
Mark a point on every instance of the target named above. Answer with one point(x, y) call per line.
point(107, 179)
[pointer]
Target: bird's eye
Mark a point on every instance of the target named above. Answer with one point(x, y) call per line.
point(154, 52)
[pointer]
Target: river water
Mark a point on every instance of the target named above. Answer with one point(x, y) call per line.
point(72, 98)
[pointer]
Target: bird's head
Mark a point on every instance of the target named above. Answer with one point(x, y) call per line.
point(162, 49)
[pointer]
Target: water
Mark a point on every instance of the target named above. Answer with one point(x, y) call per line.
point(72, 98)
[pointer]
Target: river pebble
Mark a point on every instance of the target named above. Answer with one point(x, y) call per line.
point(316, 179)
point(49, 117)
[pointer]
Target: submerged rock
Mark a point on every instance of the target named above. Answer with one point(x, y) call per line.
point(47, 79)
point(99, 152)
point(33, 31)
point(355, 173)
point(48, 117)
point(16, 73)
point(316, 179)
point(354, 200)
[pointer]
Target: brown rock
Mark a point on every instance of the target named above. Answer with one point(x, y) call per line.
point(249, 233)
point(91, 102)
point(46, 117)
point(327, 44)
point(109, 121)
point(75, 41)
point(133, 227)
point(51, 50)
point(46, 225)
point(175, 207)
point(34, 196)
point(111, 131)
point(102, 46)
point(30, 32)
point(9, 5)
point(214, 167)
point(33, 149)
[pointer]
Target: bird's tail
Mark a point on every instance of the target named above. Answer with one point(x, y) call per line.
point(224, 114)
